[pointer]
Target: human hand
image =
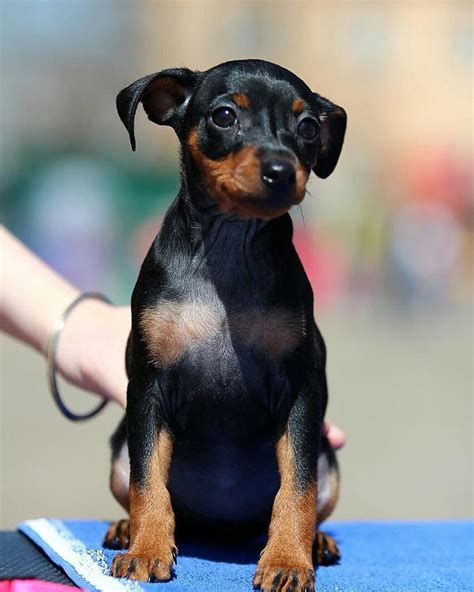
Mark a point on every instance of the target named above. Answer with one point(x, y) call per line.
point(91, 350)
point(336, 437)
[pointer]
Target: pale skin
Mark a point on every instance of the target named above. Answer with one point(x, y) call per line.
point(91, 351)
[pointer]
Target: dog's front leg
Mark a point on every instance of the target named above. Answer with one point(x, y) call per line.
point(152, 548)
point(286, 561)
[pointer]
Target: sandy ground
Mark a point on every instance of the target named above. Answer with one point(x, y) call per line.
point(402, 388)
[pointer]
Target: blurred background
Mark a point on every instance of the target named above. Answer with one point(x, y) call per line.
point(387, 240)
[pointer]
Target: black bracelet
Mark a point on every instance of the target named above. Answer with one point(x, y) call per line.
point(51, 358)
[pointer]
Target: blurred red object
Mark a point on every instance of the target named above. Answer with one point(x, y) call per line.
point(33, 586)
point(324, 265)
point(440, 176)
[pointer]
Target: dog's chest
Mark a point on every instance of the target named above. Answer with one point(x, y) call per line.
point(172, 329)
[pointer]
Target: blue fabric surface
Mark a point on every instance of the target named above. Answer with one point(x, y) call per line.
point(386, 556)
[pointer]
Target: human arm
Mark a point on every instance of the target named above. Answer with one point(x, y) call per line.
point(91, 351)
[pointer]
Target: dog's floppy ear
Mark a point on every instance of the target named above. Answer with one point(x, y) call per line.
point(333, 126)
point(164, 96)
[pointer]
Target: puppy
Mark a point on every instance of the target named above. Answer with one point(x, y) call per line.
point(227, 389)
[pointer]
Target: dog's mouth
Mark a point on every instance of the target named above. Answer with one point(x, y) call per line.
point(269, 193)
point(283, 196)
point(263, 203)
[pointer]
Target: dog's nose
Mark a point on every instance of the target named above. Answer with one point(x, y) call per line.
point(278, 173)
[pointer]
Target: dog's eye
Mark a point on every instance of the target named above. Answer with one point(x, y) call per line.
point(224, 117)
point(308, 128)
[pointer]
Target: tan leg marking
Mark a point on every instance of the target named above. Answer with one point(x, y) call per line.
point(286, 561)
point(152, 548)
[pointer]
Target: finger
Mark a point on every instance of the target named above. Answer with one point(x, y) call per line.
point(336, 436)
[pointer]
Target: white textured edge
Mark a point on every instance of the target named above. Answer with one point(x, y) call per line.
point(88, 564)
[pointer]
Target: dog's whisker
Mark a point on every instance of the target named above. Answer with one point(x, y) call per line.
point(302, 215)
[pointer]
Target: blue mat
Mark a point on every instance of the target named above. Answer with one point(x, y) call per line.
point(376, 556)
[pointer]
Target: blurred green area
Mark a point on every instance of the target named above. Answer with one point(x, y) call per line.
point(109, 203)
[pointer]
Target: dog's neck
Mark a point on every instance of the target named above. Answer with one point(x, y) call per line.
point(228, 231)
point(235, 253)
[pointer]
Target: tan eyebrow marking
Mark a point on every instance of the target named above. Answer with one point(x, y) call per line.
point(241, 100)
point(297, 106)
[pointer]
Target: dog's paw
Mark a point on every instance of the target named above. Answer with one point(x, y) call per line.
point(274, 578)
point(146, 568)
point(118, 535)
point(325, 549)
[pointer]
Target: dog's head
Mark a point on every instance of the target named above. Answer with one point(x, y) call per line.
point(251, 130)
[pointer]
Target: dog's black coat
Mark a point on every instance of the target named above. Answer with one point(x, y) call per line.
point(226, 401)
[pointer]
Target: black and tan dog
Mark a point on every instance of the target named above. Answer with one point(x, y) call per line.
point(227, 388)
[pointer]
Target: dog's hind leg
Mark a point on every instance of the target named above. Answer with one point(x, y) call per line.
point(328, 481)
point(120, 477)
point(118, 534)
point(325, 550)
